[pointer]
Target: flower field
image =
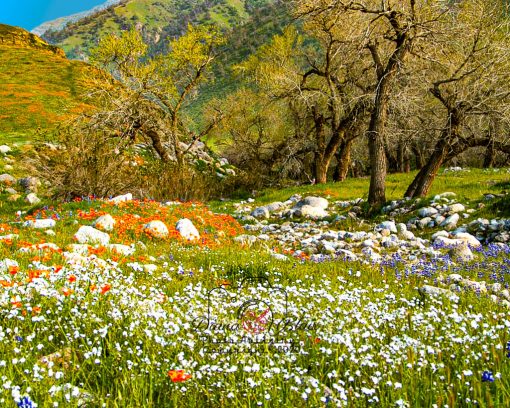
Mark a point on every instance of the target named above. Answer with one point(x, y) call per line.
point(166, 322)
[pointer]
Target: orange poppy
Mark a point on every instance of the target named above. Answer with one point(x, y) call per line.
point(178, 375)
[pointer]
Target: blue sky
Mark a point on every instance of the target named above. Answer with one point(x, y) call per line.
point(30, 13)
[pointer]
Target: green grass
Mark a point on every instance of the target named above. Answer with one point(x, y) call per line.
point(39, 90)
point(469, 186)
point(374, 339)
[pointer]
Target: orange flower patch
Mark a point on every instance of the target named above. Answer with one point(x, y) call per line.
point(178, 375)
point(105, 289)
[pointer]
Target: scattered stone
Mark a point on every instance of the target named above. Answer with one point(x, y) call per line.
point(105, 223)
point(156, 229)
point(30, 184)
point(32, 199)
point(317, 202)
point(461, 253)
point(427, 212)
point(40, 224)
point(7, 179)
point(308, 211)
point(125, 250)
point(4, 149)
point(90, 235)
point(260, 213)
point(187, 230)
point(468, 239)
point(456, 208)
point(387, 225)
point(432, 290)
point(122, 198)
point(451, 222)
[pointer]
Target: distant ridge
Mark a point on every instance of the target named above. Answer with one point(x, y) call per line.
point(61, 22)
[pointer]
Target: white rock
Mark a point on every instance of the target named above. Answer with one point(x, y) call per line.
point(462, 253)
point(187, 230)
point(307, 211)
point(407, 235)
point(156, 229)
point(387, 225)
point(316, 202)
point(427, 212)
point(7, 179)
point(90, 235)
point(401, 227)
point(125, 250)
point(468, 239)
point(451, 222)
point(432, 290)
point(82, 249)
point(274, 206)
point(424, 222)
point(455, 278)
point(447, 242)
point(456, 208)
point(40, 224)
point(440, 234)
point(260, 213)
point(105, 223)
point(4, 149)
point(32, 199)
point(122, 198)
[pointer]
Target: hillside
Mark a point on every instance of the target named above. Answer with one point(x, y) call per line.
point(40, 86)
point(157, 20)
point(61, 22)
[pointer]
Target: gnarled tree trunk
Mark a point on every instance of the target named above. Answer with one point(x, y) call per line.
point(343, 157)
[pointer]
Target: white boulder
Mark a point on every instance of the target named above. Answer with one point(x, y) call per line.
point(105, 222)
point(122, 198)
point(187, 230)
point(40, 224)
point(156, 229)
point(90, 235)
point(32, 199)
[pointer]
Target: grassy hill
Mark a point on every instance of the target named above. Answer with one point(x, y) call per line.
point(40, 86)
point(157, 19)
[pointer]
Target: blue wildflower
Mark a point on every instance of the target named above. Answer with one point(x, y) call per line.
point(25, 402)
point(19, 338)
point(487, 376)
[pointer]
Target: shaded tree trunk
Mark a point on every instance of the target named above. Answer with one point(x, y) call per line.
point(377, 153)
point(490, 156)
point(418, 157)
point(155, 138)
point(343, 157)
point(421, 184)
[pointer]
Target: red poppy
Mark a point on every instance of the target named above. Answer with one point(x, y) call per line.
point(178, 375)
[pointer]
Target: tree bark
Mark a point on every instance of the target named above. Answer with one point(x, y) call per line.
point(378, 117)
point(377, 153)
point(490, 156)
point(418, 157)
point(421, 184)
point(343, 157)
point(158, 145)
